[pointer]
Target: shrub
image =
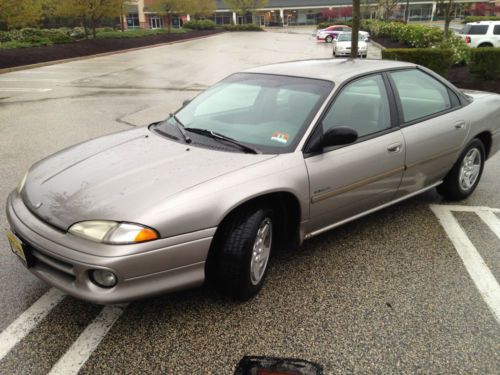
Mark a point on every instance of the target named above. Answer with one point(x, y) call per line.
point(461, 51)
point(485, 62)
point(130, 33)
point(480, 18)
point(437, 59)
point(57, 36)
point(199, 25)
point(19, 44)
point(418, 36)
point(247, 27)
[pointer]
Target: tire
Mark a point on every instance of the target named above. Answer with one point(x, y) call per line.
point(464, 177)
point(485, 45)
point(328, 39)
point(236, 252)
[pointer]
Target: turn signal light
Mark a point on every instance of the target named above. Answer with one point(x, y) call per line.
point(146, 235)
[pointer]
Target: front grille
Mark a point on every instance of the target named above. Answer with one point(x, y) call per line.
point(41, 258)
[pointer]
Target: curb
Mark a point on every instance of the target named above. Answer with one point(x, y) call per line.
point(55, 62)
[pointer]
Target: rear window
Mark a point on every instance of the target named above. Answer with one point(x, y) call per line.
point(475, 29)
point(496, 30)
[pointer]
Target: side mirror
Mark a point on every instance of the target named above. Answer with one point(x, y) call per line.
point(186, 102)
point(341, 135)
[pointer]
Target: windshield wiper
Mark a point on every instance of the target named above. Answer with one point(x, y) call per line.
point(181, 128)
point(223, 137)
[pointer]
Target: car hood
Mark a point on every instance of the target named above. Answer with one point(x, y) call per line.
point(121, 176)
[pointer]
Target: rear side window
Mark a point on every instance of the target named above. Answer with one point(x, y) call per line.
point(420, 94)
point(496, 30)
point(475, 29)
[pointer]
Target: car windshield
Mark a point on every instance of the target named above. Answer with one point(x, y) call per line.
point(267, 112)
point(347, 37)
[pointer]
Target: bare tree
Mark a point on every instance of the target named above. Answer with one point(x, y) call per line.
point(447, 8)
point(388, 7)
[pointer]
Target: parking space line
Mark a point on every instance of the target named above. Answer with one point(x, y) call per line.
point(491, 220)
point(28, 320)
point(476, 267)
point(76, 356)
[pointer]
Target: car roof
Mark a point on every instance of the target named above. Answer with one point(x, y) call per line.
point(484, 23)
point(335, 70)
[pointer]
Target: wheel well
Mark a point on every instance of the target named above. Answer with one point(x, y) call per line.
point(287, 208)
point(485, 45)
point(485, 137)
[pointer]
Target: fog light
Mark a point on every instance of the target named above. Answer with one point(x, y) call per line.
point(103, 278)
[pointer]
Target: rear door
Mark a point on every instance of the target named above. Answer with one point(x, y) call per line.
point(351, 179)
point(433, 127)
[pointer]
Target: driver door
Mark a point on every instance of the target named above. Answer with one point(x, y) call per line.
point(350, 179)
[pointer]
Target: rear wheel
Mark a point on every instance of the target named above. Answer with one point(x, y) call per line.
point(485, 45)
point(329, 39)
point(464, 177)
point(243, 251)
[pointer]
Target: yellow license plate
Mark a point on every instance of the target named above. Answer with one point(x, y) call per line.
point(16, 246)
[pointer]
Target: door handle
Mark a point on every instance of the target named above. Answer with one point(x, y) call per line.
point(460, 125)
point(394, 148)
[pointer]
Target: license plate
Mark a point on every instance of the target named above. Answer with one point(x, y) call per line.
point(17, 247)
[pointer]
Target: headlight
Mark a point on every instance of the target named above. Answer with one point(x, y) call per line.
point(21, 183)
point(113, 232)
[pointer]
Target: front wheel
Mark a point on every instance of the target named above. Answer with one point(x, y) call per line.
point(243, 252)
point(464, 177)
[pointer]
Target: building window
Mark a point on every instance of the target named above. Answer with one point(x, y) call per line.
point(155, 22)
point(133, 21)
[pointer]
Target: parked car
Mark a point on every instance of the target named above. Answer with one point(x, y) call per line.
point(262, 160)
point(342, 45)
point(482, 34)
point(330, 33)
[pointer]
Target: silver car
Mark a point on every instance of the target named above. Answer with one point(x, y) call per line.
point(263, 160)
point(342, 45)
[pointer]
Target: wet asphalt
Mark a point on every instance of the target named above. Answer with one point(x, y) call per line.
point(385, 294)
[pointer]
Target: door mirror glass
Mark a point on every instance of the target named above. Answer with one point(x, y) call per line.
point(340, 135)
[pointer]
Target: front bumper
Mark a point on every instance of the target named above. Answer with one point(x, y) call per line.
point(348, 53)
point(65, 261)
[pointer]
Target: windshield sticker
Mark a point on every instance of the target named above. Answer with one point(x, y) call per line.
point(280, 137)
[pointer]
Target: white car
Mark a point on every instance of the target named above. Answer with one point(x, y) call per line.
point(482, 34)
point(342, 45)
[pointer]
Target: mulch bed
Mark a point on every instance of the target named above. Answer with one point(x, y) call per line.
point(458, 75)
point(25, 56)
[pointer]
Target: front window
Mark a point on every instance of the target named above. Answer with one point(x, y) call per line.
point(362, 105)
point(268, 112)
point(348, 36)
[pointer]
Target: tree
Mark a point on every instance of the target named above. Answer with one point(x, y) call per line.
point(89, 12)
point(447, 8)
point(242, 7)
point(356, 15)
point(170, 7)
point(387, 7)
point(21, 13)
point(203, 8)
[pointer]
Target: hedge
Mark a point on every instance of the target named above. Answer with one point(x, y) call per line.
point(485, 62)
point(199, 25)
point(436, 59)
point(480, 18)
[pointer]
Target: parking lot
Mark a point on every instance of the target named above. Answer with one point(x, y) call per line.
point(410, 289)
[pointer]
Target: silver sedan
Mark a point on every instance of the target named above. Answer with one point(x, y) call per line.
point(263, 160)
